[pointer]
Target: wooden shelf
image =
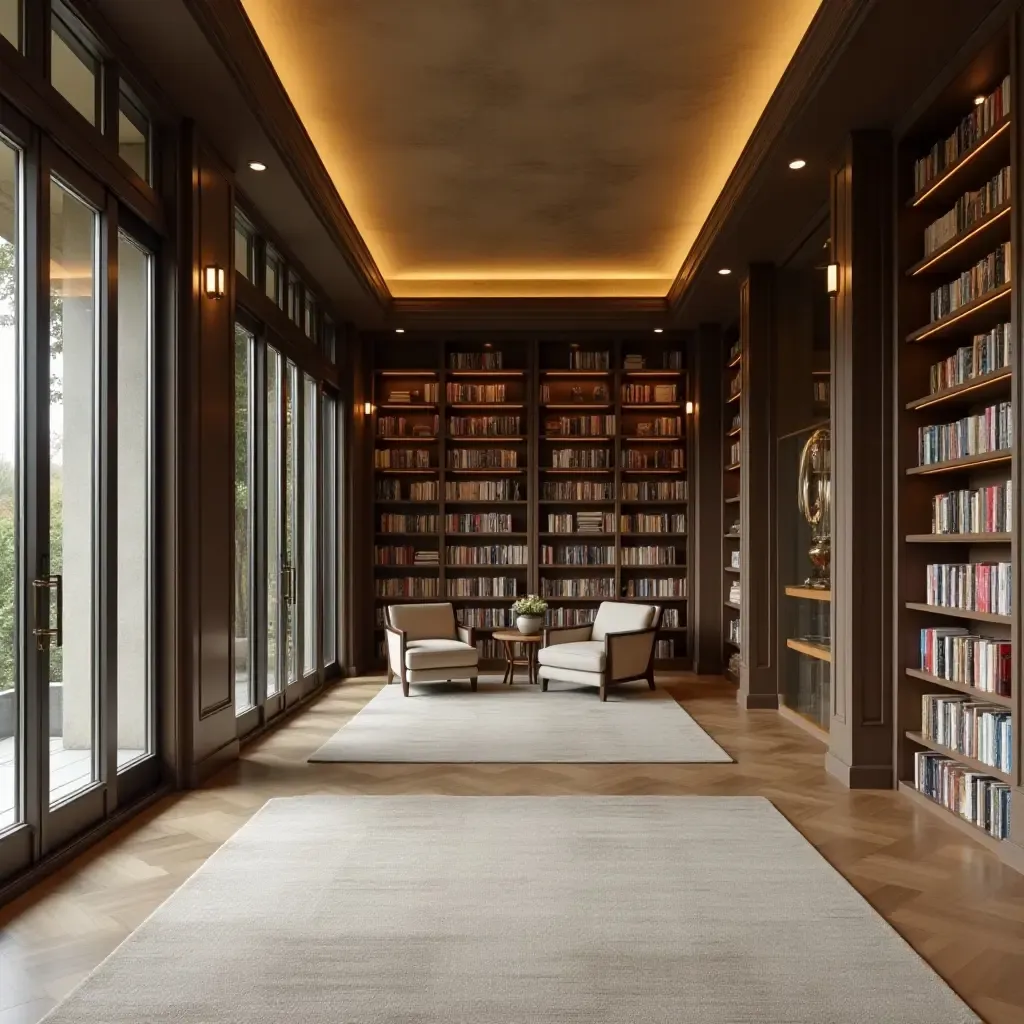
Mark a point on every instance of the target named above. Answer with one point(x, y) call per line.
point(731, 536)
point(637, 439)
point(646, 406)
point(952, 684)
point(734, 432)
point(958, 613)
point(575, 501)
point(488, 471)
point(730, 604)
point(734, 398)
point(959, 538)
point(406, 373)
point(660, 472)
point(418, 440)
point(562, 406)
point(969, 391)
point(576, 535)
point(575, 469)
point(973, 244)
point(966, 317)
point(733, 501)
point(392, 472)
point(812, 650)
point(989, 152)
point(570, 565)
point(628, 534)
point(574, 440)
point(482, 440)
point(455, 568)
point(733, 468)
point(421, 406)
point(484, 501)
point(964, 759)
point(729, 568)
point(409, 501)
point(462, 536)
point(653, 373)
point(486, 373)
point(485, 405)
point(967, 462)
point(810, 593)
point(735, 362)
point(576, 373)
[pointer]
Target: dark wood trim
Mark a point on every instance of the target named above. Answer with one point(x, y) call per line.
point(225, 25)
point(828, 34)
point(523, 314)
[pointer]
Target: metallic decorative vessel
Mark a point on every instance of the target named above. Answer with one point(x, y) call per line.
point(814, 496)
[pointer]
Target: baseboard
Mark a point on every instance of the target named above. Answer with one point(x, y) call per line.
point(861, 776)
point(199, 772)
point(758, 701)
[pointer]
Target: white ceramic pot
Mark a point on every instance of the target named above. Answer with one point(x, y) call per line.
point(529, 625)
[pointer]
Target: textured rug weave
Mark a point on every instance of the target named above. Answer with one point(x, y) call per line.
point(505, 910)
point(448, 724)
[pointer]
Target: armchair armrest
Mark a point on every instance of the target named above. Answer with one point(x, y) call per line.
point(396, 650)
point(630, 654)
point(467, 634)
point(566, 634)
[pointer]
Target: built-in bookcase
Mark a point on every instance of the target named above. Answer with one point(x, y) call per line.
point(506, 467)
point(733, 420)
point(955, 680)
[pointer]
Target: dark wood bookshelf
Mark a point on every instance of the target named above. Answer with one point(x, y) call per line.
point(952, 684)
point(965, 463)
point(959, 538)
point(974, 243)
point(971, 762)
point(969, 316)
point(959, 613)
point(971, 390)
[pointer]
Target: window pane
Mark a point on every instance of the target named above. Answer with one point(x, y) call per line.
point(310, 523)
point(274, 281)
point(292, 447)
point(294, 300)
point(330, 559)
point(74, 72)
point(311, 319)
point(73, 355)
point(10, 22)
point(10, 512)
point(244, 345)
point(276, 558)
point(329, 338)
point(133, 133)
point(134, 501)
point(243, 249)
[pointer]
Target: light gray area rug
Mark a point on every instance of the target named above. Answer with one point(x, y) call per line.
point(449, 724)
point(500, 910)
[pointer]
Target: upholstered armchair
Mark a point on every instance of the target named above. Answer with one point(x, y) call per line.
point(426, 644)
point(617, 647)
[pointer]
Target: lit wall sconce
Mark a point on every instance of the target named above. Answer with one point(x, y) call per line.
point(368, 408)
point(832, 278)
point(213, 282)
point(689, 408)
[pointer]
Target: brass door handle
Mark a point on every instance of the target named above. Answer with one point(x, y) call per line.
point(47, 637)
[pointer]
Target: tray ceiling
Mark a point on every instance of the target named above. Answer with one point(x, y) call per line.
point(529, 147)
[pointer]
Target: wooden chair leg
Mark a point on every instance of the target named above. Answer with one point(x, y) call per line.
point(544, 685)
point(472, 683)
point(604, 691)
point(405, 687)
point(650, 680)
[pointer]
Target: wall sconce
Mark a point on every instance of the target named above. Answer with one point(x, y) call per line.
point(832, 278)
point(689, 408)
point(368, 408)
point(213, 282)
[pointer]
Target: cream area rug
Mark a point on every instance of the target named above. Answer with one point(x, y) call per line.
point(441, 723)
point(501, 910)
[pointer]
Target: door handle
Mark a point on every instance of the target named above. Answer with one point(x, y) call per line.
point(47, 637)
point(294, 588)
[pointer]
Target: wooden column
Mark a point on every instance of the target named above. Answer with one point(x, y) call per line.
point(758, 666)
point(861, 732)
point(705, 524)
point(359, 509)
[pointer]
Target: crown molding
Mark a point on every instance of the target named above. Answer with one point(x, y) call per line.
point(226, 26)
point(529, 313)
point(829, 32)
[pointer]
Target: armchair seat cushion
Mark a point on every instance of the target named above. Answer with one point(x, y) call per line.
point(579, 656)
point(428, 654)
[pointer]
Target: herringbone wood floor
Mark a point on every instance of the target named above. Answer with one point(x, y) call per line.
point(957, 905)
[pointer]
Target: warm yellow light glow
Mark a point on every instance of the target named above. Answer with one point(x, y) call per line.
point(689, 408)
point(659, 330)
point(797, 165)
point(368, 408)
point(832, 278)
point(399, 330)
point(978, 100)
point(257, 165)
point(213, 282)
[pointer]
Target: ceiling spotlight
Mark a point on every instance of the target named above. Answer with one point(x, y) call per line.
point(659, 330)
point(978, 100)
point(796, 165)
point(725, 271)
point(399, 330)
point(256, 165)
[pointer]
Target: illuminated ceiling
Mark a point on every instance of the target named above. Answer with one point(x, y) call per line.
point(529, 147)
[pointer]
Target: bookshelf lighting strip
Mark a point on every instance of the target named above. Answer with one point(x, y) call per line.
point(955, 392)
point(941, 325)
point(960, 164)
point(943, 253)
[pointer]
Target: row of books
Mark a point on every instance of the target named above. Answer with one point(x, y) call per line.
point(410, 586)
point(974, 796)
point(482, 458)
point(481, 586)
point(734, 629)
point(404, 396)
point(957, 654)
point(670, 618)
point(665, 650)
point(986, 353)
point(485, 522)
point(583, 522)
point(970, 208)
point(986, 275)
point(648, 555)
point(401, 458)
point(656, 458)
point(421, 490)
point(483, 490)
point(580, 458)
point(972, 586)
point(485, 426)
point(973, 510)
point(581, 359)
point(585, 586)
point(391, 522)
point(662, 522)
point(569, 615)
point(734, 592)
point(822, 390)
point(577, 554)
point(579, 426)
point(656, 588)
point(734, 453)
point(642, 394)
point(735, 383)
point(489, 360)
point(402, 426)
point(655, 490)
point(484, 393)
point(495, 617)
point(660, 426)
point(982, 118)
point(973, 728)
point(987, 431)
point(487, 554)
point(576, 490)
point(404, 554)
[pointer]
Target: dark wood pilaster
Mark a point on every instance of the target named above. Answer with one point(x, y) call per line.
point(758, 668)
point(860, 743)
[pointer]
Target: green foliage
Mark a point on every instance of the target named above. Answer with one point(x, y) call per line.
point(531, 605)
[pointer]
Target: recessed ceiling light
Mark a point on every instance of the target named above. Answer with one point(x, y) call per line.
point(725, 271)
point(256, 165)
point(978, 100)
point(399, 330)
point(659, 330)
point(796, 165)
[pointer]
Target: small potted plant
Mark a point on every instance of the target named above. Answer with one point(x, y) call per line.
point(529, 613)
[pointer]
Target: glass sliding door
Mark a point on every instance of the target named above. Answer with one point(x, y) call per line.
point(134, 517)
point(276, 558)
point(292, 493)
point(68, 581)
point(245, 345)
point(310, 523)
point(330, 531)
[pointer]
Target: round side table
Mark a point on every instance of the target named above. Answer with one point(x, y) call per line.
point(531, 645)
